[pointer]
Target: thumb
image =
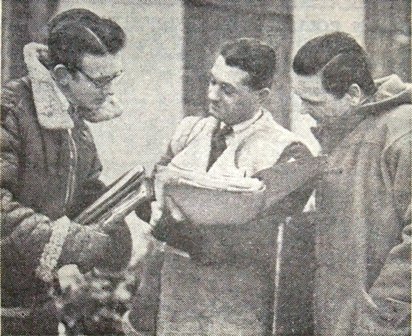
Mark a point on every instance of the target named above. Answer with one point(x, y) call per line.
point(157, 212)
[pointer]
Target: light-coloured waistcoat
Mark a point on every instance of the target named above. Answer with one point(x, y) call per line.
point(221, 299)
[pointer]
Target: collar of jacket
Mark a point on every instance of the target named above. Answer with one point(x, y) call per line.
point(51, 105)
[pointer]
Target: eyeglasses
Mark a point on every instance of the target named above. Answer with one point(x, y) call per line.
point(101, 82)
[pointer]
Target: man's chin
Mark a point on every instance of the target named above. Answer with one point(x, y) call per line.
point(214, 112)
point(107, 110)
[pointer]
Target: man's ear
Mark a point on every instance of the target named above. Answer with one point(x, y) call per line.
point(61, 75)
point(355, 94)
point(263, 94)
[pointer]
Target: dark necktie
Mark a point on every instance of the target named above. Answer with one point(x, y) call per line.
point(218, 143)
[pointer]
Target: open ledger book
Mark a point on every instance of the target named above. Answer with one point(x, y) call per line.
point(121, 198)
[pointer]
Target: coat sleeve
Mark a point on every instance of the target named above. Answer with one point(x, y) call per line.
point(24, 232)
point(385, 308)
point(294, 203)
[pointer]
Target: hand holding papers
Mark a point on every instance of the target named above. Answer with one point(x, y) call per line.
point(121, 198)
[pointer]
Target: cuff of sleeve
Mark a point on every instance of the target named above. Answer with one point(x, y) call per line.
point(46, 270)
point(363, 316)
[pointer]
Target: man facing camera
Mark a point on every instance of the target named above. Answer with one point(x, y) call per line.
point(50, 166)
point(223, 282)
point(362, 280)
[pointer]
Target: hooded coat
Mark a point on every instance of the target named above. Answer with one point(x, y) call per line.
point(49, 173)
point(362, 280)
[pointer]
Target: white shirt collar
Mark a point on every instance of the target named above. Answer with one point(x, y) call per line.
point(245, 124)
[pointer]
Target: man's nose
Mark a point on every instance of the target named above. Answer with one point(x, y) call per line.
point(213, 92)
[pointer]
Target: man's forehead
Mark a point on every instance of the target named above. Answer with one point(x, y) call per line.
point(308, 86)
point(228, 74)
point(102, 65)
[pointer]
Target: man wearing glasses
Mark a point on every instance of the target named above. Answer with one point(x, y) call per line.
point(50, 166)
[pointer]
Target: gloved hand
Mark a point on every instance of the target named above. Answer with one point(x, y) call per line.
point(85, 246)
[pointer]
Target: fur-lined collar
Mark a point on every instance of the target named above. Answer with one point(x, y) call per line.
point(51, 105)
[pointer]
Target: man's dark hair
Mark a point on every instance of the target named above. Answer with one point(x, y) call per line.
point(340, 60)
point(254, 57)
point(78, 31)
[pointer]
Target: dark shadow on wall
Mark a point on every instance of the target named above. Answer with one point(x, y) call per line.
point(23, 21)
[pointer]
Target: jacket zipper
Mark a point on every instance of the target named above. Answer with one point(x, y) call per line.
point(72, 169)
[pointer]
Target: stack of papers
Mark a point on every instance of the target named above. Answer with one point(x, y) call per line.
point(212, 200)
point(121, 198)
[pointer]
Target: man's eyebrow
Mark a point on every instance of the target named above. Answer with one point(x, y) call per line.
point(228, 85)
point(118, 73)
point(297, 92)
point(310, 100)
point(221, 82)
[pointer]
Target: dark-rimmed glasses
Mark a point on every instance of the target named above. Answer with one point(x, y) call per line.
point(103, 81)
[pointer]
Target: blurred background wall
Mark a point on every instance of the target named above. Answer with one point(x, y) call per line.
point(172, 45)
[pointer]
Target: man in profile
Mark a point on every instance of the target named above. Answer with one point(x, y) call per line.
point(362, 279)
point(225, 284)
point(50, 167)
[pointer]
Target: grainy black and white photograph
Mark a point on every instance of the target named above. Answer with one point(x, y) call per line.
point(205, 167)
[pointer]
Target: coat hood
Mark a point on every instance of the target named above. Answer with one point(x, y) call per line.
point(52, 107)
point(391, 92)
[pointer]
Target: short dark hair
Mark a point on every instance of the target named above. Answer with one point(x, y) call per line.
point(254, 57)
point(340, 60)
point(75, 32)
